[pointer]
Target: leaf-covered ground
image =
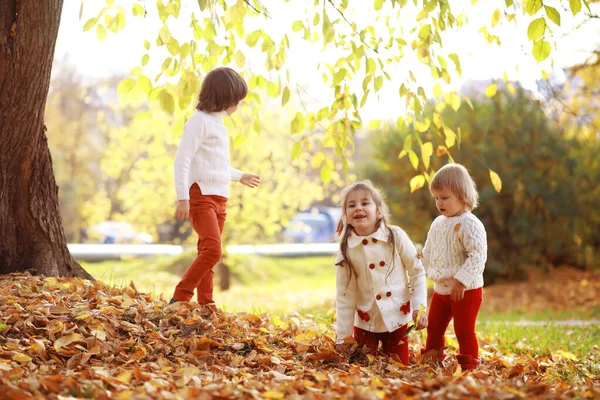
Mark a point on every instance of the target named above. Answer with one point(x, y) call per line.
point(69, 338)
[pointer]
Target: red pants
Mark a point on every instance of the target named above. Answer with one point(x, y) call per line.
point(392, 342)
point(208, 218)
point(442, 310)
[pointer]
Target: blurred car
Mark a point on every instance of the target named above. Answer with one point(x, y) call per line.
point(110, 232)
point(316, 225)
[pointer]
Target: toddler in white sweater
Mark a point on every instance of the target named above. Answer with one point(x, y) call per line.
point(454, 257)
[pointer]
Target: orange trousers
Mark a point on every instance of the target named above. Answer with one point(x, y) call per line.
point(208, 215)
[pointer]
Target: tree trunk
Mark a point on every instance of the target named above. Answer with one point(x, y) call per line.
point(31, 232)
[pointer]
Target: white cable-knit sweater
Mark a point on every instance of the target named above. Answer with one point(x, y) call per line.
point(203, 157)
point(456, 247)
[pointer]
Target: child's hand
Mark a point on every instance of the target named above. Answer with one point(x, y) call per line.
point(419, 251)
point(422, 322)
point(250, 180)
point(457, 291)
point(183, 209)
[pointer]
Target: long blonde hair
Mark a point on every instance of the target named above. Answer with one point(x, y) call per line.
point(344, 229)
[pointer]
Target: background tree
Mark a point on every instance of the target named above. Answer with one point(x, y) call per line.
point(542, 216)
point(31, 233)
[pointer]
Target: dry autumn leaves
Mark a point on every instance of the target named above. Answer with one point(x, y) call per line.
point(69, 338)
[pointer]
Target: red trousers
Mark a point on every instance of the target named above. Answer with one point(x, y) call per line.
point(464, 312)
point(392, 342)
point(208, 215)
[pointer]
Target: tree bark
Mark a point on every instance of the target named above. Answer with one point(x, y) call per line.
point(31, 232)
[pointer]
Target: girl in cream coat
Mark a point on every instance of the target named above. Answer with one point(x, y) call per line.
point(380, 280)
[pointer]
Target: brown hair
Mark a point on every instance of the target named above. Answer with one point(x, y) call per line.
point(222, 88)
point(344, 229)
point(456, 178)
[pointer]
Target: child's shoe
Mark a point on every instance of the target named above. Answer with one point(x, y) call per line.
point(467, 361)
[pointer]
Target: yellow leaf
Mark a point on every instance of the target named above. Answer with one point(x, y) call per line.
point(453, 100)
point(417, 182)
point(491, 90)
point(125, 395)
point(567, 355)
point(496, 181)
point(67, 340)
point(437, 90)
point(423, 126)
point(511, 89)
point(83, 316)
point(272, 395)
point(21, 358)
point(545, 75)
point(125, 377)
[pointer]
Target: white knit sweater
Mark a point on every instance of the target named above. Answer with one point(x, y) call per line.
point(456, 247)
point(203, 157)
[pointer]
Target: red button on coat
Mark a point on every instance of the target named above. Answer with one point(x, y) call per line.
point(378, 297)
point(374, 240)
point(388, 294)
point(371, 266)
point(365, 241)
point(382, 263)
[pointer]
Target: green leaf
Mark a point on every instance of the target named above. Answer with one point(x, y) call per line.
point(285, 97)
point(536, 29)
point(326, 173)
point(575, 6)
point(377, 4)
point(146, 45)
point(553, 14)
point(202, 4)
point(166, 102)
point(541, 50)
point(496, 181)
point(100, 32)
point(417, 182)
point(508, 3)
point(491, 90)
point(89, 24)
point(296, 150)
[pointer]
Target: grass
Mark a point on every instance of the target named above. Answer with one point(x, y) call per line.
point(259, 284)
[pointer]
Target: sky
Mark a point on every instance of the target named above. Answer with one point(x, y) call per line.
point(118, 54)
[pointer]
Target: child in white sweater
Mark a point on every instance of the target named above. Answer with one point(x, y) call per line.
point(202, 176)
point(454, 257)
